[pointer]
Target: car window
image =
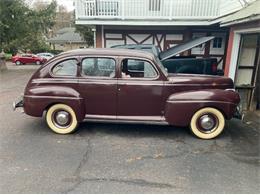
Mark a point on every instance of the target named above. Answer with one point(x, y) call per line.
point(135, 68)
point(66, 68)
point(99, 67)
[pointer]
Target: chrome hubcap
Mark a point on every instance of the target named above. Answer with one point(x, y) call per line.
point(207, 122)
point(62, 118)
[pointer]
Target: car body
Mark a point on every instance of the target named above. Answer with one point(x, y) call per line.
point(180, 64)
point(109, 85)
point(28, 59)
point(47, 56)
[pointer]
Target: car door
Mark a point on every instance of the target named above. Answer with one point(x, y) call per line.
point(98, 86)
point(23, 58)
point(28, 58)
point(140, 90)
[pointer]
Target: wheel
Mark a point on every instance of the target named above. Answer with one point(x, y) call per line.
point(18, 63)
point(38, 62)
point(207, 123)
point(61, 119)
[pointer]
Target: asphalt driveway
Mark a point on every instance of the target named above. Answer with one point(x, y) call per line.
point(111, 158)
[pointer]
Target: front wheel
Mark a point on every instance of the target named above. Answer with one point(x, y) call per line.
point(207, 123)
point(18, 63)
point(61, 119)
point(38, 62)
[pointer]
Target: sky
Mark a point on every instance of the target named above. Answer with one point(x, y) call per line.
point(67, 3)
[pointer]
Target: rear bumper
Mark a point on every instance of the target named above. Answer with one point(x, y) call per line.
point(18, 104)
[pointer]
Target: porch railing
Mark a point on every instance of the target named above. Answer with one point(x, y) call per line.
point(147, 9)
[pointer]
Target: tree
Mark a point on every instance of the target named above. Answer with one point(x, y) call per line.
point(86, 33)
point(24, 28)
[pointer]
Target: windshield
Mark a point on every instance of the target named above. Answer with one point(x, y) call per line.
point(161, 66)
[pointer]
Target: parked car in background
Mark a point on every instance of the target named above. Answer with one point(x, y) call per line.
point(181, 64)
point(47, 56)
point(120, 85)
point(28, 59)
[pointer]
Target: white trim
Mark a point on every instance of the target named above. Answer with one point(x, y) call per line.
point(249, 30)
point(102, 34)
point(145, 23)
point(234, 56)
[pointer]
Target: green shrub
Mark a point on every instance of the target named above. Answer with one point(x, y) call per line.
point(8, 56)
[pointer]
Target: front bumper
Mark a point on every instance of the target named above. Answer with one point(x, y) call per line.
point(18, 104)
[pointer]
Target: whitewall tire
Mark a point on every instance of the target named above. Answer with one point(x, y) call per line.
point(61, 119)
point(207, 123)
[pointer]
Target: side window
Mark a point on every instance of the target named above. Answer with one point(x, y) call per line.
point(99, 67)
point(65, 68)
point(217, 42)
point(134, 68)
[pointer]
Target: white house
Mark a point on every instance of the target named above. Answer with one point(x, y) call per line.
point(164, 23)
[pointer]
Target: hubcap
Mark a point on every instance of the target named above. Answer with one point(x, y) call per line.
point(207, 123)
point(61, 119)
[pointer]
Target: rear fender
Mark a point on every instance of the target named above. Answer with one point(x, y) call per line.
point(180, 107)
point(39, 98)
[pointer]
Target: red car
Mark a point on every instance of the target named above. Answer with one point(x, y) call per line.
point(28, 59)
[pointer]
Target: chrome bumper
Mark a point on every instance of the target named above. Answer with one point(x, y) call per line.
point(18, 104)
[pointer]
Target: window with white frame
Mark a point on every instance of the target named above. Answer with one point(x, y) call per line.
point(217, 42)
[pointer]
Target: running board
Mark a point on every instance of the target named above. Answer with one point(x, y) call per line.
point(153, 120)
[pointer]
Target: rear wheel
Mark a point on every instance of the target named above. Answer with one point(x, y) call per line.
point(38, 62)
point(18, 63)
point(207, 123)
point(61, 119)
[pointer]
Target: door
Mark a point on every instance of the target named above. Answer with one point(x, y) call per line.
point(98, 86)
point(139, 90)
point(29, 58)
point(247, 67)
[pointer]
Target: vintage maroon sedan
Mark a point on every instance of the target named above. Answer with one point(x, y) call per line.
point(129, 86)
point(28, 59)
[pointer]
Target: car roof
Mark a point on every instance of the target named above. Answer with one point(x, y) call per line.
point(109, 52)
point(132, 45)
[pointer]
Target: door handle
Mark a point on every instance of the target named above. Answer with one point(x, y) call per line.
point(119, 89)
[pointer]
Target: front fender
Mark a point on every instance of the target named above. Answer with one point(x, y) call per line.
point(38, 98)
point(180, 107)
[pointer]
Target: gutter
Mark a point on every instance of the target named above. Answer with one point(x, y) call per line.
point(242, 20)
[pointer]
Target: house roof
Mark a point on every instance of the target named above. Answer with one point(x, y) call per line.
point(249, 13)
point(66, 35)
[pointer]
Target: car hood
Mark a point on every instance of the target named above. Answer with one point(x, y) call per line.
point(201, 80)
point(173, 51)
